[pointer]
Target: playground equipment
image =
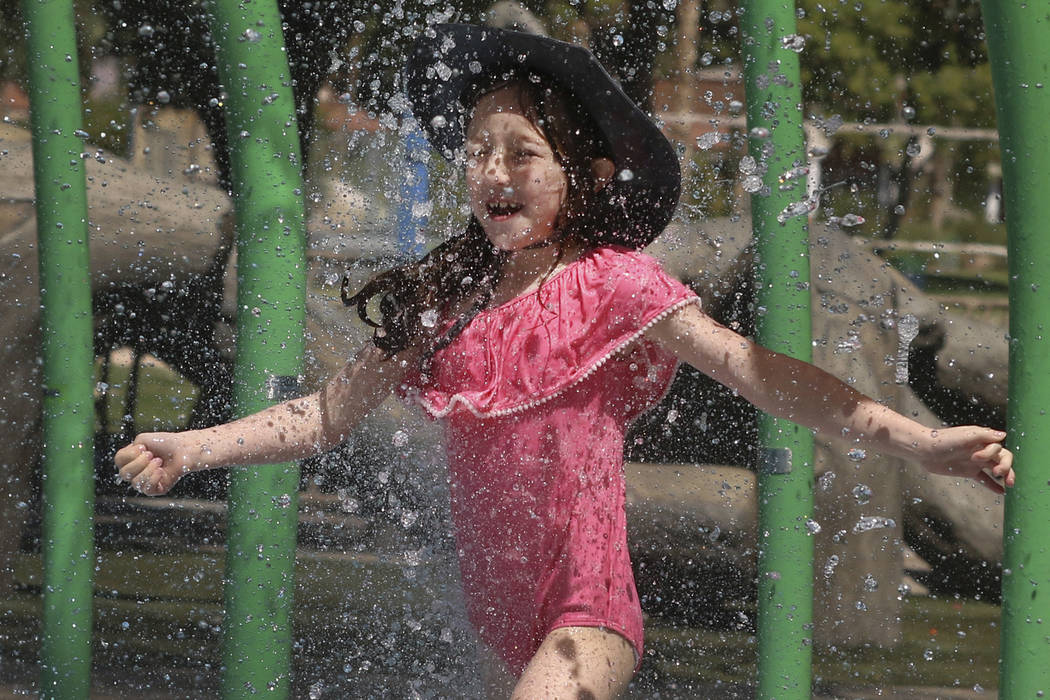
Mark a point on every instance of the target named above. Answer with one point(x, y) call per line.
point(785, 470)
point(66, 348)
point(1017, 46)
point(266, 169)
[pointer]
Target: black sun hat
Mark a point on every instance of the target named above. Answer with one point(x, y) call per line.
point(444, 68)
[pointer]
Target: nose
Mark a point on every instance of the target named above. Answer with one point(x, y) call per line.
point(494, 169)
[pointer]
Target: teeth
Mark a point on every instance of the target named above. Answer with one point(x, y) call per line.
point(501, 208)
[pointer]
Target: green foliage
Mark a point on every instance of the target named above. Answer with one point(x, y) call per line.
point(868, 59)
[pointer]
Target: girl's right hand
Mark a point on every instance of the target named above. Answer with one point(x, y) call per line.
point(154, 462)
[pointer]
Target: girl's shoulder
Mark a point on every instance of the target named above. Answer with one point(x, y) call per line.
point(617, 257)
point(619, 271)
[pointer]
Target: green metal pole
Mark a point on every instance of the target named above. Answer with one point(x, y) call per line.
point(1019, 48)
point(66, 348)
point(271, 302)
point(785, 479)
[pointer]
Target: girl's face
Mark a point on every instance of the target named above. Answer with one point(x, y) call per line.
point(516, 185)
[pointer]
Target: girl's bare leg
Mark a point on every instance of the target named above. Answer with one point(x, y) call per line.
point(578, 663)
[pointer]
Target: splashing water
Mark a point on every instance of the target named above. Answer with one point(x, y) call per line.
point(797, 209)
point(826, 481)
point(862, 493)
point(707, 141)
point(793, 42)
point(846, 221)
point(856, 454)
point(829, 567)
point(751, 183)
point(907, 329)
point(795, 173)
point(873, 522)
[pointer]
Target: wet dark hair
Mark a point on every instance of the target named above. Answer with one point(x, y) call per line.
point(462, 273)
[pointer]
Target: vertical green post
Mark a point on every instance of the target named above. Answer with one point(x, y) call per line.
point(271, 278)
point(66, 348)
point(1019, 48)
point(785, 480)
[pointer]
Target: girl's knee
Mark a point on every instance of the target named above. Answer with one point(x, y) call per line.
point(578, 663)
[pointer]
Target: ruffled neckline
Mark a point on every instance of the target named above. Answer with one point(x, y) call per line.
point(534, 347)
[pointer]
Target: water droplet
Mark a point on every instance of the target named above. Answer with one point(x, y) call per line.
point(256, 311)
point(829, 567)
point(871, 584)
point(707, 59)
point(913, 149)
point(846, 221)
point(759, 132)
point(444, 72)
point(399, 439)
point(825, 481)
point(751, 184)
point(617, 40)
point(146, 30)
point(438, 122)
point(429, 318)
point(736, 107)
point(908, 112)
point(899, 210)
point(812, 526)
point(861, 493)
point(856, 454)
point(928, 654)
point(797, 209)
point(625, 175)
point(793, 42)
point(283, 501)
point(907, 329)
point(873, 522)
point(707, 141)
point(795, 173)
point(251, 35)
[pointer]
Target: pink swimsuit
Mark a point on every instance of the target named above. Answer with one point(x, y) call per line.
point(536, 395)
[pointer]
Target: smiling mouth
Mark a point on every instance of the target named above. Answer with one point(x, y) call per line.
point(501, 211)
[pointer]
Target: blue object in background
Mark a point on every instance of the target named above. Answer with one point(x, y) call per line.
point(415, 191)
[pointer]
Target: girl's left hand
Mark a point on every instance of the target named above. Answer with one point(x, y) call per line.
point(973, 452)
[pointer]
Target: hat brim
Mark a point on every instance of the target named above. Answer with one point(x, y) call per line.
point(443, 69)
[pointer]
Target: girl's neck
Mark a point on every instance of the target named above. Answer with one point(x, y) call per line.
point(524, 270)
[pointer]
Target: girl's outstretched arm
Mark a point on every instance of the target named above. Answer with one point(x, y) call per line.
point(792, 389)
point(291, 430)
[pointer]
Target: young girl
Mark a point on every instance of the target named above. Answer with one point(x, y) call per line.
point(537, 336)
